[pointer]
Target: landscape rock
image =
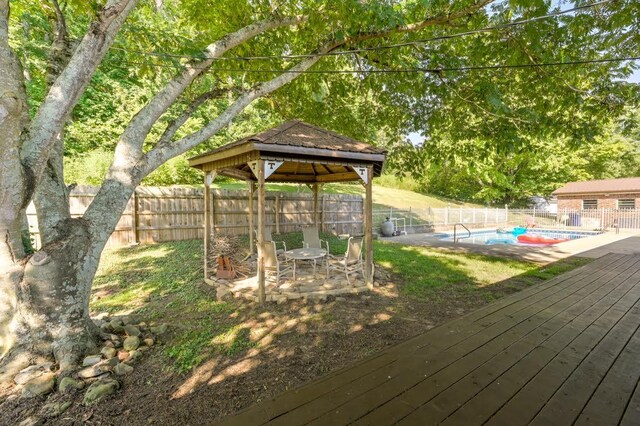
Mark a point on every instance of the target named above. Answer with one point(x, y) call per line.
point(70, 383)
point(40, 385)
point(131, 343)
point(134, 356)
point(32, 372)
point(131, 319)
point(109, 352)
point(148, 341)
point(91, 360)
point(93, 371)
point(123, 355)
point(102, 316)
point(160, 329)
point(106, 327)
point(109, 344)
point(115, 339)
point(55, 409)
point(111, 362)
point(122, 369)
point(117, 326)
point(132, 330)
point(100, 390)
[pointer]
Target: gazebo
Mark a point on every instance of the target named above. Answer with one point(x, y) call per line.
point(293, 152)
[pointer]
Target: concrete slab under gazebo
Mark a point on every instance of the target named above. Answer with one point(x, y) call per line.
point(293, 152)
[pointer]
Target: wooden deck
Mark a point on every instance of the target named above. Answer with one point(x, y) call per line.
point(563, 352)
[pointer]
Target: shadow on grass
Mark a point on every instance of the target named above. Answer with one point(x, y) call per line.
point(231, 354)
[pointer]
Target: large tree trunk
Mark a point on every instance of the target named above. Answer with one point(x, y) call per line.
point(44, 299)
point(52, 301)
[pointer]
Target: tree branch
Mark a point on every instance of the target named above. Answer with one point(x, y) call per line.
point(175, 125)
point(513, 120)
point(51, 197)
point(129, 148)
point(69, 86)
point(438, 20)
point(60, 48)
point(159, 155)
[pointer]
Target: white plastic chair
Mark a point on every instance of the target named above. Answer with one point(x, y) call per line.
point(311, 238)
point(273, 266)
point(351, 262)
point(268, 238)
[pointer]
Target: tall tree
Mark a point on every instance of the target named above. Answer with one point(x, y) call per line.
point(44, 297)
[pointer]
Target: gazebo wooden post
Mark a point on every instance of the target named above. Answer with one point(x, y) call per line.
point(368, 229)
point(315, 205)
point(252, 191)
point(261, 224)
point(208, 180)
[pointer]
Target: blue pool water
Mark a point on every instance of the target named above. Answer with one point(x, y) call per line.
point(486, 237)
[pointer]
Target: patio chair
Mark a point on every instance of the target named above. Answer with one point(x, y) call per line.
point(351, 262)
point(311, 238)
point(273, 266)
point(269, 238)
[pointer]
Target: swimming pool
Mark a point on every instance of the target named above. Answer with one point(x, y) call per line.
point(485, 237)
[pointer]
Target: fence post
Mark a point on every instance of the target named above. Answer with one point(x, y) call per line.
point(277, 213)
point(602, 223)
point(506, 213)
point(534, 214)
point(446, 215)
point(322, 212)
point(486, 215)
point(496, 215)
point(473, 215)
point(460, 214)
point(212, 195)
point(135, 219)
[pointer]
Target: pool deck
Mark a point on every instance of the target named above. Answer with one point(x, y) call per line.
point(591, 247)
point(564, 352)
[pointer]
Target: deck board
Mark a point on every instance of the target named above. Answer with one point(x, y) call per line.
point(552, 354)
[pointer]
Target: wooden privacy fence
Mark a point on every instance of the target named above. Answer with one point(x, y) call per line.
point(159, 214)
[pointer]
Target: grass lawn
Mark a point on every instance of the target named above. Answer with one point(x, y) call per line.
point(163, 283)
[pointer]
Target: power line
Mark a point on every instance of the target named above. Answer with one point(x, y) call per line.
point(373, 48)
point(408, 70)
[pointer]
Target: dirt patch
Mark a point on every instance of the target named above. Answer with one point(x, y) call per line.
point(285, 346)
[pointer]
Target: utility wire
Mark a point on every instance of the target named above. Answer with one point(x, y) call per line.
point(406, 70)
point(373, 48)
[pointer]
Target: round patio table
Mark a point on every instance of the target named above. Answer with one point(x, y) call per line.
point(305, 254)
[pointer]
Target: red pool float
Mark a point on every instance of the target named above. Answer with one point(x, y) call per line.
point(539, 239)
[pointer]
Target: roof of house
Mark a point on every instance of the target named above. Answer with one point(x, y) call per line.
point(626, 185)
point(310, 155)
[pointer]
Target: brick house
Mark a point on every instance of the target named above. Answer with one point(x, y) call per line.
point(600, 194)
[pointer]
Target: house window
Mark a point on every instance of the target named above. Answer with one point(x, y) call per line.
point(628, 203)
point(589, 204)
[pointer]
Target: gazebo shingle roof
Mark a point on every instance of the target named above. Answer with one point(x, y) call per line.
point(300, 134)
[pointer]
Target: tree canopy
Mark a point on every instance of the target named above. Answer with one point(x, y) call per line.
point(472, 119)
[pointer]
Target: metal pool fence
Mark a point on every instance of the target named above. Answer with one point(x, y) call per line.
point(429, 219)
